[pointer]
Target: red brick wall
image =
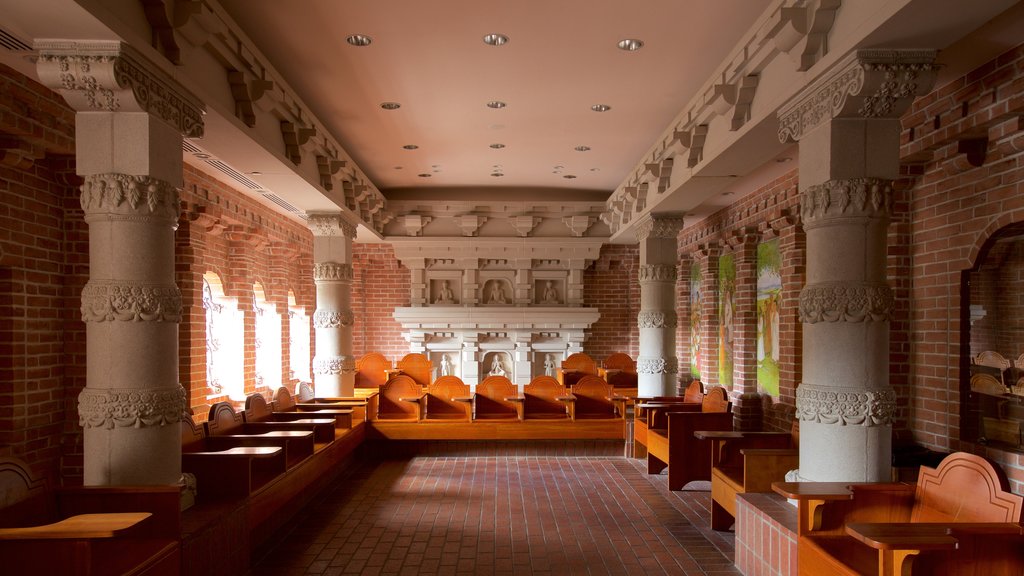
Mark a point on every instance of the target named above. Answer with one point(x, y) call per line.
point(380, 285)
point(610, 284)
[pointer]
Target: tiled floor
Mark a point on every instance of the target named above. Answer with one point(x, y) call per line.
point(503, 515)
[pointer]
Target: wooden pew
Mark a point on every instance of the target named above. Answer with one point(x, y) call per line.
point(226, 429)
point(363, 403)
point(227, 472)
point(596, 399)
point(650, 410)
point(86, 531)
point(575, 367)
point(257, 411)
point(959, 519)
point(497, 398)
point(372, 371)
point(675, 447)
point(747, 462)
point(619, 370)
point(545, 399)
point(447, 399)
point(284, 406)
point(418, 367)
point(398, 400)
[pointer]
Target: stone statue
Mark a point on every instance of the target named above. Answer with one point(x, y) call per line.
point(496, 367)
point(549, 365)
point(550, 294)
point(446, 365)
point(445, 295)
point(497, 293)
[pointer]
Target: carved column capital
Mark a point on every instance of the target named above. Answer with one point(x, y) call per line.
point(657, 273)
point(667, 226)
point(323, 318)
point(130, 197)
point(656, 319)
point(846, 198)
point(840, 302)
point(648, 365)
point(332, 272)
point(110, 76)
point(130, 407)
point(109, 300)
point(333, 365)
point(331, 224)
point(867, 84)
point(845, 406)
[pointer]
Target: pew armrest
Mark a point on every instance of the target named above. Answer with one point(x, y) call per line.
point(80, 527)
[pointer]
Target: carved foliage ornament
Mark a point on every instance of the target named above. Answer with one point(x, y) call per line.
point(331, 225)
point(828, 302)
point(660, 227)
point(130, 407)
point(332, 271)
point(845, 406)
point(852, 197)
point(657, 273)
point(655, 319)
point(333, 318)
point(108, 301)
point(668, 365)
point(334, 365)
point(129, 195)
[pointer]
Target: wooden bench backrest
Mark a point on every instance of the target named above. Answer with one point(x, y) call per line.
point(24, 499)
point(389, 401)
point(223, 420)
point(694, 392)
point(987, 384)
point(371, 370)
point(540, 396)
point(418, 367)
point(715, 400)
point(257, 409)
point(620, 361)
point(193, 436)
point(577, 366)
point(440, 394)
point(491, 394)
point(592, 394)
point(283, 400)
point(964, 488)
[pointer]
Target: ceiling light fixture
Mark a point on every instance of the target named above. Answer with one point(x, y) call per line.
point(582, 148)
point(497, 146)
point(495, 39)
point(600, 107)
point(390, 105)
point(359, 40)
point(410, 147)
point(398, 167)
point(569, 176)
point(256, 173)
point(496, 104)
point(631, 44)
point(497, 174)
point(424, 175)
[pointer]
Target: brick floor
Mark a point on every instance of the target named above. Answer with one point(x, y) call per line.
point(503, 515)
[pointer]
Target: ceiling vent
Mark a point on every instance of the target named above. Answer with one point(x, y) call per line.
point(233, 174)
point(13, 43)
point(283, 203)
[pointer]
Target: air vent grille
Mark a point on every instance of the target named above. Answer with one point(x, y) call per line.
point(190, 147)
point(12, 42)
point(233, 174)
point(282, 203)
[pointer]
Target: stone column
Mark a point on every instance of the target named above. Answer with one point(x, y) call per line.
point(130, 121)
point(657, 365)
point(334, 366)
point(848, 127)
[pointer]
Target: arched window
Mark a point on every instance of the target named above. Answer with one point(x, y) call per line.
point(268, 340)
point(298, 340)
point(225, 335)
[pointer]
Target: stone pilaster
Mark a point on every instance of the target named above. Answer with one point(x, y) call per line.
point(657, 366)
point(333, 366)
point(683, 310)
point(709, 323)
point(848, 127)
point(746, 400)
point(130, 120)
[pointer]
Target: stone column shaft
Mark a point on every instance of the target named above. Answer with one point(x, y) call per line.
point(334, 365)
point(657, 365)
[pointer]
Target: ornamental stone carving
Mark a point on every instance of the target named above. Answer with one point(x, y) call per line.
point(331, 225)
point(846, 198)
point(333, 318)
point(659, 227)
point(130, 407)
point(845, 405)
point(334, 365)
point(130, 195)
point(657, 273)
point(655, 319)
point(645, 365)
point(110, 76)
point(332, 271)
point(836, 302)
point(823, 105)
point(110, 300)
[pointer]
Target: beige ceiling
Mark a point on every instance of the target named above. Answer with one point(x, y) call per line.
point(561, 58)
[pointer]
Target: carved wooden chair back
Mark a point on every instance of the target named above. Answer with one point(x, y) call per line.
point(576, 366)
point(372, 371)
point(193, 436)
point(489, 400)
point(24, 499)
point(283, 400)
point(257, 409)
point(716, 400)
point(418, 367)
point(694, 392)
point(950, 492)
point(389, 402)
point(541, 398)
point(440, 394)
point(592, 398)
point(223, 420)
point(620, 361)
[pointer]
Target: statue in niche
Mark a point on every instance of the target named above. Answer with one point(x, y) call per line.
point(549, 365)
point(550, 294)
point(445, 294)
point(446, 365)
point(497, 368)
point(497, 293)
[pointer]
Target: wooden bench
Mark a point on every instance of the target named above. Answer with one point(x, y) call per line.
point(619, 370)
point(86, 531)
point(418, 367)
point(675, 447)
point(398, 400)
point(596, 399)
point(227, 472)
point(284, 407)
point(497, 398)
point(257, 411)
point(363, 403)
point(372, 371)
point(959, 519)
point(545, 399)
point(747, 462)
point(649, 410)
point(574, 367)
point(226, 429)
point(447, 399)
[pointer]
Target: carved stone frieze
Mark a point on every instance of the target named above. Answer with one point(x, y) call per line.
point(130, 407)
point(111, 76)
point(844, 406)
point(130, 195)
point(333, 318)
point(110, 300)
point(331, 225)
point(332, 271)
point(836, 302)
point(657, 273)
point(823, 105)
point(656, 319)
point(334, 365)
point(645, 365)
point(851, 197)
point(659, 227)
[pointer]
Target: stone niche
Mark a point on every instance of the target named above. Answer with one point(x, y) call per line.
point(519, 304)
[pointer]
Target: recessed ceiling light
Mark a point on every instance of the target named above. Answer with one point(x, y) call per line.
point(495, 39)
point(783, 160)
point(727, 193)
point(600, 107)
point(497, 174)
point(556, 171)
point(435, 171)
point(569, 176)
point(595, 169)
point(256, 173)
point(390, 105)
point(496, 104)
point(398, 167)
point(559, 167)
point(359, 40)
point(410, 147)
point(424, 175)
point(631, 44)
point(203, 156)
point(582, 148)
point(435, 165)
point(497, 146)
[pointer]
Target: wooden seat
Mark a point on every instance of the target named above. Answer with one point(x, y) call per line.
point(284, 407)
point(362, 404)
point(747, 462)
point(372, 371)
point(675, 447)
point(649, 410)
point(575, 367)
point(596, 399)
point(227, 472)
point(398, 400)
point(545, 399)
point(959, 519)
point(447, 400)
point(257, 411)
point(619, 370)
point(418, 367)
point(227, 429)
point(497, 398)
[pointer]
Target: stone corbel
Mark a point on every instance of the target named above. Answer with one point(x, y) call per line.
point(470, 223)
point(295, 137)
point(19, 152)
point(679, 144)
point(697, 137)
point(738, 98)
point(579, 224)
point(194, 21)
point(415, 223)
point(263, 94)
point(160, 16)
point(665, 175)
point(802, 32)
point(328, 167)
point(974, 149)
point(744, 235)
point(243, 100)
point(523, 225)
